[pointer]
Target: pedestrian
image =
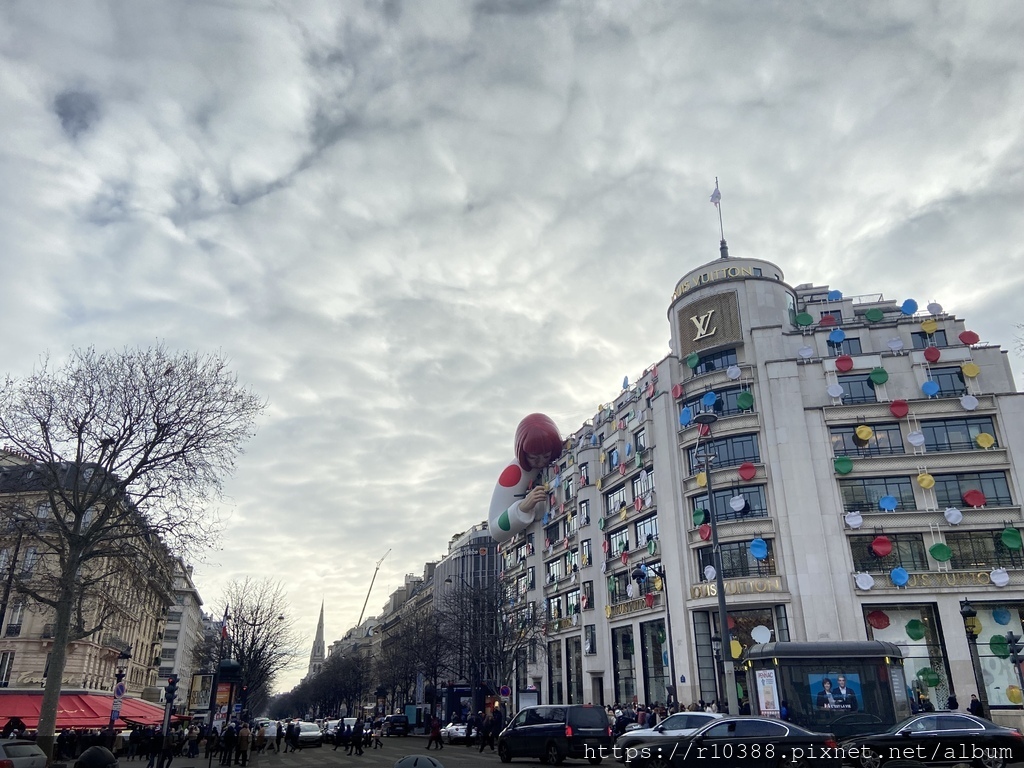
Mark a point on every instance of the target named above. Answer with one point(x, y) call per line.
point(378, 731)
point(193, 741)
point(487, 732)
point(278, 737)
point(228, 737)
point(244, 743)
point(975, 707)
point(261, 739)
point(356, 742)
point(472, 725)
point(951, 703)
point(435, 734)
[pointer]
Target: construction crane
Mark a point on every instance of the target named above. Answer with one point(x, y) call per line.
point(367, 600)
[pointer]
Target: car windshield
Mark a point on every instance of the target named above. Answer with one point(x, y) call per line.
point(588, 717)
point(310, 727)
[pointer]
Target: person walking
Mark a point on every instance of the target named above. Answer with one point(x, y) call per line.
point(244, 743)
point(278, 737)
point(435, 734)
point(487, 732)
point(378, 731)
point(356, 742)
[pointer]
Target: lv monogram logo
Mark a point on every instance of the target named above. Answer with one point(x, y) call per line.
point(703, 325)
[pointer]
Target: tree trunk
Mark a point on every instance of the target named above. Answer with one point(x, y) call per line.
point(55, 674)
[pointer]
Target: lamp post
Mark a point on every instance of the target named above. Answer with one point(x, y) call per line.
point(706, 420)
point(639, 576)
point(120, 672)
point(972, 628)
point(716, 644)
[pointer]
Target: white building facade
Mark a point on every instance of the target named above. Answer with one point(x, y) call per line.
point(864, 485)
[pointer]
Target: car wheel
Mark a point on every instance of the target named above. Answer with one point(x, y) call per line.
point(794, 762)
point(991, 762)
point(658, 762)
point(504, 754)
point(552, 754)
point(870, 760)
point(595, 760)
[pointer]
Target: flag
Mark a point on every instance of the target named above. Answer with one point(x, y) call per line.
point(716, 196)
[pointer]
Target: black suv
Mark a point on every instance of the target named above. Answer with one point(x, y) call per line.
point(396, 725)
point(555, 732)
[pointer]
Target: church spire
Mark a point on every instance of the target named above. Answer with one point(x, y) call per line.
point(318, 654)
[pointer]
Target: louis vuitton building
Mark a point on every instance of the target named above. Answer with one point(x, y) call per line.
point(862, 479)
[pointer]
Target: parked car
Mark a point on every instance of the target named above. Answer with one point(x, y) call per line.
point(454, 732)
point(740, 741)
point(19, 753)
point(940, 738)
point(553, 733)
point(669, 729)
point(310, 735)
point(396, 725)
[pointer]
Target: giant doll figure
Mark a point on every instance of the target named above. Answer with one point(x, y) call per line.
point(520, 493)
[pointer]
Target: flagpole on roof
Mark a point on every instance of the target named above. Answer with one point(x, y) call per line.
point(716, 199)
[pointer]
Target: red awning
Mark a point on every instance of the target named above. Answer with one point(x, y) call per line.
point(77, 710)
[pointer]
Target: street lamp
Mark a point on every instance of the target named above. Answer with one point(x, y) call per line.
point(706, 420)
point(972, 628)
point(124, 658)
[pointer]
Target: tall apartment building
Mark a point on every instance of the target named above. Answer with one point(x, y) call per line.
point(866, 480)
point(183, 634)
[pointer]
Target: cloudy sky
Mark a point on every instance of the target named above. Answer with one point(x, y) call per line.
point(408, 224)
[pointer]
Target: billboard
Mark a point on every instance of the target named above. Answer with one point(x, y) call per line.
point(200, 692)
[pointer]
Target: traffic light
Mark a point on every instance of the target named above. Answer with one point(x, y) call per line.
point(172, 689)
point(1016, 646)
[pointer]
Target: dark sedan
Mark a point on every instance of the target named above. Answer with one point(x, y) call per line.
point(747, 742)
point(939, 738)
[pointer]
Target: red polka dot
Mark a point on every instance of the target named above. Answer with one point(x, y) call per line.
point(511, 476)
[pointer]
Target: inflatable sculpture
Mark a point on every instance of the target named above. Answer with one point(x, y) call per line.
point(520, 493)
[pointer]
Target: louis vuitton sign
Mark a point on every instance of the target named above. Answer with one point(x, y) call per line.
point(713, 321)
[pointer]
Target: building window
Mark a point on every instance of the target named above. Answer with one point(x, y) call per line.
point(643, 484)
point(584, 475)
point(171, 636)
point(950, 489)
point(848, 346)
point(646, 530)
point(28, 564)
point(982, 549)
point(640, 440)
point(567, 488)
point(531, 578)
point(14, 617)
point(908, 551)
point(555, 673)
point(728, 452)
point(886, 441)
point(835, 314)
point(858, 388)
point(756, 506)
point(167, 654)
point(654, 654)
point(571, 524)
point(572, 561)
point(624, 664)
point(615, 500)
point(554, 571)
point(950, 380)
point(863, 494)
point(716, 361)
point(588, 594)
point(554, 608)
point(572, 602)
point(737, 560)
point(584, 513)
point(618, 542)
point(590, 639)
point(922, 339)
point(6, 665)
point(585, 555)
point(165, 672)
point(725, 405)
point(574, 670)
point(551, 535)
point(619, 586)
point(955, 434)
point(927, 652)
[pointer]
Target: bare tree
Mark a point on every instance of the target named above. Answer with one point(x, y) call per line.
point(127, 447)
point(262, 634)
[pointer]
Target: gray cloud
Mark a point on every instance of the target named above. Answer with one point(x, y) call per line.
point(409, 225)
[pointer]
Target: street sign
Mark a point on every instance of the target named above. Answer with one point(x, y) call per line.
point(119, 690)
point(238, 707)
point(505, 691)
point(116, 706)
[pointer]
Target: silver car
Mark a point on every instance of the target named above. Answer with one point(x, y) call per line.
point(22, 754)
point(669, 729)
point(310, 735)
